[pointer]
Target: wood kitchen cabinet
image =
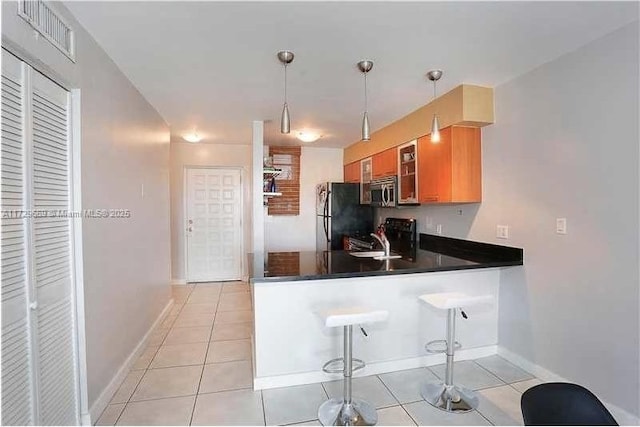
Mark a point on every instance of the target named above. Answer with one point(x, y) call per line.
point(365, 181)
point(408, 173)
point(385, 163)
point(352, 172)
point(451, 170)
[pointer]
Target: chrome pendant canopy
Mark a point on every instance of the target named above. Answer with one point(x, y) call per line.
point(434, 76)
point(364, 67)
point(286, 58)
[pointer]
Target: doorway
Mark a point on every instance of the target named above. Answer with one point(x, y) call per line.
point(213, 224)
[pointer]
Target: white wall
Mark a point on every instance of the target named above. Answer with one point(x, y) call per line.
point(298, 233)
point(125, 144)
point(565, 144)
point(220, 155)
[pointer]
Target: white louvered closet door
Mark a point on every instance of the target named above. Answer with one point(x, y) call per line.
point(17, 377)
point(49, 288)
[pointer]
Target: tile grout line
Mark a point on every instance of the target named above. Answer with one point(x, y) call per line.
point(206, 353)
point(495, 375)
point(264, 412)
point(388, 389)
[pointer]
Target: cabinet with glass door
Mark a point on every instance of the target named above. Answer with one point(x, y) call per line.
point(408, 173)
point(366, 173)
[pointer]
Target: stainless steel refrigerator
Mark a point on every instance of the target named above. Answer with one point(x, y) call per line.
point(339, 213)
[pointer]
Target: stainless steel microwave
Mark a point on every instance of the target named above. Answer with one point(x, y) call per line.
point(384, 192)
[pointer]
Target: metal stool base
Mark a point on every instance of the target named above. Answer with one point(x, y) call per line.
point(451, 398)
point(337, 412)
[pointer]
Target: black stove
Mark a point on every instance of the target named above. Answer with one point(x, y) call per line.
point(400, 232)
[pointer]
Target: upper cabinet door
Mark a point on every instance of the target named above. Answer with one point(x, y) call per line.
point(451, 170)
point(365, 181)
point(385, 163)
point(408, 173)
point(352, 172)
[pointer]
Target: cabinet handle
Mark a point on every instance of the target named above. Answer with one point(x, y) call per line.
point(431, 199)
point(33, 305)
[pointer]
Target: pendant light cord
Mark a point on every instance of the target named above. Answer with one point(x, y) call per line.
point(285, 83)
point(365, 92)
point(434, 90)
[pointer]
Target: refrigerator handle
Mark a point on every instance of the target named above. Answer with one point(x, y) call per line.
point(326, 203)
point(325, 221)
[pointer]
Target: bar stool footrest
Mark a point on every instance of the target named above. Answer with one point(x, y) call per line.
point(335, 366)
point(440, 346)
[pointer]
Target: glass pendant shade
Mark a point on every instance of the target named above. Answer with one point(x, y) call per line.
point(366, 128)
point(285, 120)
point(435, 130)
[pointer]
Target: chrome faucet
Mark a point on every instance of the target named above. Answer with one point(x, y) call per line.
point(384, 242)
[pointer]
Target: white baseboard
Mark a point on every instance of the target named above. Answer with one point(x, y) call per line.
point(178, 281)
point(374, 368)
point(622, 417)
point(105, 397)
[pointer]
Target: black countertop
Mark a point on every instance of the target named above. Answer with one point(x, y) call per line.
point(434, 253)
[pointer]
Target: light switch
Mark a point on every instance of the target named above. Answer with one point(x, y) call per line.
point(561, 225)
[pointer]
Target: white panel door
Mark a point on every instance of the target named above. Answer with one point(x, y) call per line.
point(40, 382)
point(214, 224)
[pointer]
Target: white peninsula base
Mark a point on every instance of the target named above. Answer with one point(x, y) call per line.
point(291, 342)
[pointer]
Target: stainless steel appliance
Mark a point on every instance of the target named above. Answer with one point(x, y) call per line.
point(339, 214)
point(384, 192)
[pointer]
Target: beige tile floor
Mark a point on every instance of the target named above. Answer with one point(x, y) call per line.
point(196, 370)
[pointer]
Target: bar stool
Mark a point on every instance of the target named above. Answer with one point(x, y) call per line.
point(347, 411)
point(446, 395)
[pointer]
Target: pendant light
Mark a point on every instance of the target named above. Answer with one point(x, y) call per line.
point(434, 76)
point(365, 67)
point(286, 58)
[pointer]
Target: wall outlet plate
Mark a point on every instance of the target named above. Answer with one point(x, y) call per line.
point(502, 231)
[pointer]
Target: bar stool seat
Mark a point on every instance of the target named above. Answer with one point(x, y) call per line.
point(447, 300)
point(347, 411)
point(445, 395)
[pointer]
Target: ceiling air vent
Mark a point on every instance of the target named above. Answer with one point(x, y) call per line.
point(40, 15)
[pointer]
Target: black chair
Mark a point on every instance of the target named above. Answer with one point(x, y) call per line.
point(563, 404)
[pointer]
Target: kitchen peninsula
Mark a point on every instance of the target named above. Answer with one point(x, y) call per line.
point(290, 289)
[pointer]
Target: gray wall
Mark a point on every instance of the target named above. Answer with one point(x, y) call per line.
point(565, 144)
point(125, 144)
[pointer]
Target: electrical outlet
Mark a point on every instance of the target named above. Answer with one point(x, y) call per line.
point(561, 225)
point(460, 212)
point(439, 229)
point(502, 232)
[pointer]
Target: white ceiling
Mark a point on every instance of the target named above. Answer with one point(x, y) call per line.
point(212, 65)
